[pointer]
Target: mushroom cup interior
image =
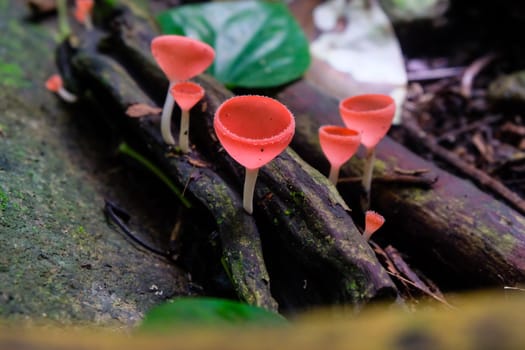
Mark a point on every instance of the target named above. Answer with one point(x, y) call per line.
point(254, 129)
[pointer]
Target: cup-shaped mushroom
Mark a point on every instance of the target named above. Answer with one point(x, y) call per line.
point(339, 144)
point(370, 114)
point(180, 57)
point(253, 129)
point(83, 10)
point(54, 83)
point(186, 94)
point(373, 221)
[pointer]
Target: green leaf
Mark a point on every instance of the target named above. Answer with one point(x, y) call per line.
point(258, 44)
point(184, 312)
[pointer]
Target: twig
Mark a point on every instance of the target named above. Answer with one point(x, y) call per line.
point(409, 180)
point(452, 134)
point(118, 216)
point(392, 269)
point(175, 232)
point(472, 71)
point(444, 302)
point(434, 74)
point(514, 288)
point(480, 177)
point(403, 267)
point(413, 172)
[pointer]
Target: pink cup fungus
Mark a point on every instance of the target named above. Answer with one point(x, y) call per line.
point(83, 9)
point(55, 84)
point(339, 144)
point(253, 130)
point(373, 221)
point(186, 94)
point(372, 115)
point(180, 58)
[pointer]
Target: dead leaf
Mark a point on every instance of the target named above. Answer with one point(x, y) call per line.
point(198, 163)
point(513, 129)
point(141, 110)
point(484, 148)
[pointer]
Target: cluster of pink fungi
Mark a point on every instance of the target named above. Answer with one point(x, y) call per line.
point(367, 119)
point(254, 129)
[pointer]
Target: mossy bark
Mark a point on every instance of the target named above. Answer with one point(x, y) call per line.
point(59, 259)
point(113, 88)
point(454, 229)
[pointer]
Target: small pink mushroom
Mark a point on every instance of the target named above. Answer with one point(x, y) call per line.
point(83, 9)
point(373, 221)
point(186, 94)
point(253, 130)
point(55, 84)
point(180, 58)
point(371, 115)
point(339, 144)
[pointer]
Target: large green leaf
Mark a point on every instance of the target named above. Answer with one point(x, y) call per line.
point(257, 43)
point(183, 312)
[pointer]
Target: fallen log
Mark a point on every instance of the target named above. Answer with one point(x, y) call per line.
point(294, 205)
point(458, 232)
point(242, 252)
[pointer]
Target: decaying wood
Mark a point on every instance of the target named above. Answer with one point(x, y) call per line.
point(407, 180)
point(294, 205)
point(239, 235)
point(458, 231)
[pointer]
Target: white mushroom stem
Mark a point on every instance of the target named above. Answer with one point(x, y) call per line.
point(66, 95)
point(88, 23)
point(165, 121)
point(367, 177)
point(184, 142)
point(334, 174)
point(249, 187)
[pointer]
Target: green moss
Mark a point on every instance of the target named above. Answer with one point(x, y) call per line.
point(11, 75)
point(505, 242)
point(58, 256)
point(381, 167)
point(4, 200)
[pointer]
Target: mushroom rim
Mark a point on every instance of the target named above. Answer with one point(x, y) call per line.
point(347, 134)
point(284, 134)
point(389, 103)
